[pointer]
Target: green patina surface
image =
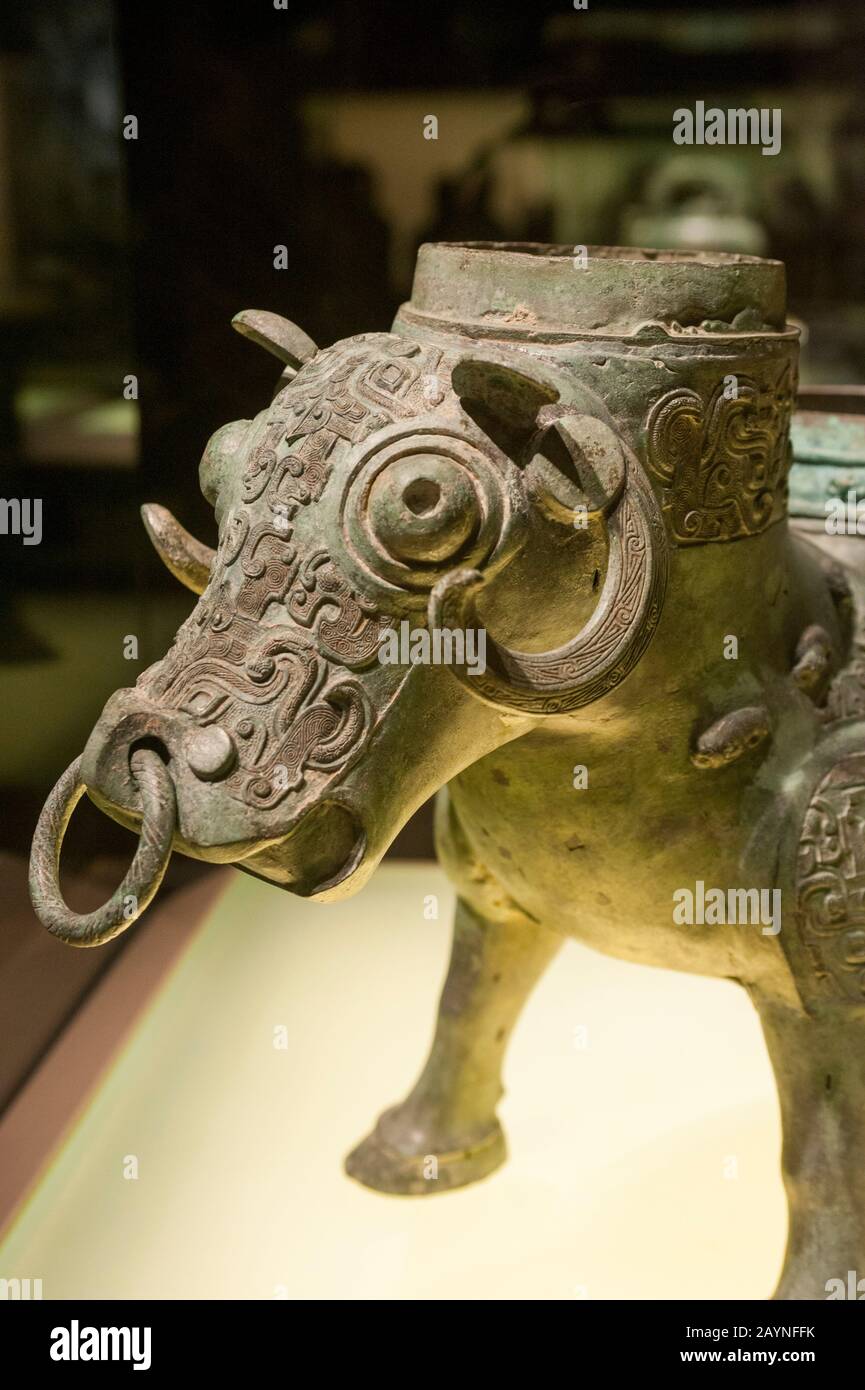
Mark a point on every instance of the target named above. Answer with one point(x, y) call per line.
point(546, 448)
point(828, 458)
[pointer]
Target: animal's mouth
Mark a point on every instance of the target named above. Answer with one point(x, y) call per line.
point(315, 856)
point(318, 855)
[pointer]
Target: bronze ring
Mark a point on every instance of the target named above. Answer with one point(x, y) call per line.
point(158, 820)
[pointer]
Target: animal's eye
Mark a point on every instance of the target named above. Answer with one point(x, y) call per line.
point(414, 505)
point(423, 507)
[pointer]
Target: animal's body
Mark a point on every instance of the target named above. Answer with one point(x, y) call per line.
point(593, 473)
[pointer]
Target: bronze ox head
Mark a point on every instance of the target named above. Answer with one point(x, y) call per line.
point(390, 484)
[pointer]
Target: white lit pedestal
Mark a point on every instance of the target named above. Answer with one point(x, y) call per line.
point(640, 1113)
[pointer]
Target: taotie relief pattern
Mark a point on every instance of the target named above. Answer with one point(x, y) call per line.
point(283, 693)
point(723, 462)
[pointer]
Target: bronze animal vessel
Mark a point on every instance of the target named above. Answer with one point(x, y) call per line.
point(662, 753)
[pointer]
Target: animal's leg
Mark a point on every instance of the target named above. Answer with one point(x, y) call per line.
point(445, 1133)
point(819, 1065)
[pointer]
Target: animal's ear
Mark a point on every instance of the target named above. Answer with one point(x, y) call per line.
point(577, 466)
point(570, 460)
point(504, 397)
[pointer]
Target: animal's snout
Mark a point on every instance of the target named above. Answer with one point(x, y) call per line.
point(199, 759)
point(208, 752)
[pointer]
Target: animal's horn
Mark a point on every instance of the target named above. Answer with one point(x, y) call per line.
point(279, 336)
point(188, 560)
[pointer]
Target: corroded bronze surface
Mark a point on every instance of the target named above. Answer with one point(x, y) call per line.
point(585, 462)
point(830, 878)
point(724, 462)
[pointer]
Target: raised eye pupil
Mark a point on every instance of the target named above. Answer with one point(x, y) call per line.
point(422, 508)
point(422, 496)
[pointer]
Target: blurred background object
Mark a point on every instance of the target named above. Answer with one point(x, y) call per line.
point(153, 160)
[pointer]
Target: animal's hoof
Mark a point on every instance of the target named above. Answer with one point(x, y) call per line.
point(378, 1163)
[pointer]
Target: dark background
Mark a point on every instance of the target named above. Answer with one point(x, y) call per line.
point(303, 127)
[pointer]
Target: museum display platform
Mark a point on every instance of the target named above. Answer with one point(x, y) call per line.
point(640, 1113)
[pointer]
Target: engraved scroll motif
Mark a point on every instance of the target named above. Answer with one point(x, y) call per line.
point(723, 464)
point(830, 879)
point(269, 649)
point(846, 696)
